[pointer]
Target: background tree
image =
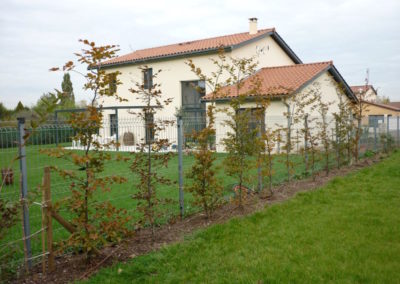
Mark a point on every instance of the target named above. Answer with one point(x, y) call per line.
point(383, 99)
point(5, 113)
point(20, 107)
point(68, 90)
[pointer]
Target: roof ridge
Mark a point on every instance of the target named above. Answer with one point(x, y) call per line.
point(382, 105)
point(330, 62)
point(259, 32)
point(354, 86)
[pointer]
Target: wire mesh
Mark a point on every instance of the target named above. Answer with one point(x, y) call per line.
point(130, 133)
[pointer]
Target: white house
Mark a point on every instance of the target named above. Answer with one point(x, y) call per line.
point(277, 62)
point(366, 92)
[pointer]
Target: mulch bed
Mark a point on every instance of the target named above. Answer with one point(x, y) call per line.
point(70, 268)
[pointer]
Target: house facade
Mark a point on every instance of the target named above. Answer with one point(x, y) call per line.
point(274, 57)
point(367, 92)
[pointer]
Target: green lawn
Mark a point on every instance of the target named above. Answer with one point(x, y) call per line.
point(120, 195)
point(347, 231)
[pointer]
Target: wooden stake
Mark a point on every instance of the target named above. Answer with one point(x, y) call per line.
point(48, 216)
point(63, 222)
point(24, 233)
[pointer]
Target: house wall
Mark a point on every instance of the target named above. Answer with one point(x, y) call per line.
point(175, 70)
point(377, 110)
point(370, 95)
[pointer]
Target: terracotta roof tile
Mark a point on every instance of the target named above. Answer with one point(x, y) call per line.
point(387, 106)
point(187, 47)
point(356, 89)
point(395, 104)
point(275, 81)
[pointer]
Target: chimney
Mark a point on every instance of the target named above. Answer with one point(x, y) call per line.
point(253, 26)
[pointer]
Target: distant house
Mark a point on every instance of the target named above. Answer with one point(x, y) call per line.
point(277, 63)
point(367, 92)
point(377, 113)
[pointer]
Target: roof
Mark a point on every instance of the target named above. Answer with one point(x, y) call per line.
point(390, 107)
point(364, 88)
point(395, 104)
point(208, 45)
point(283, 80)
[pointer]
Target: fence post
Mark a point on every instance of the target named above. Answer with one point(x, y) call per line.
point(375, 135)
point(359, 137)
point(180, 166)
point(116, 128)
point(24, 189)
point(306, 142)
point(337, 143)
point(387, 132)
point(259, 171)
point(398, 130)
point(289, 140)
point(46, 201)
point(56, 121)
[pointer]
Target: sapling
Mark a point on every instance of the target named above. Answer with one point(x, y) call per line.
point(96, 222)
point(239, 141)
point(152, 157)
point(206, 188)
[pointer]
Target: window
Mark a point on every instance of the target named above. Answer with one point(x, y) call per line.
point(149, 127)
point(375, 120)
point(148, 78)
point(193, 109)
point(113, 124)
point(254, 119)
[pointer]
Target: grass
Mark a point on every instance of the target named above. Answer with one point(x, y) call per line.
point(120, 195)
point(345, 232)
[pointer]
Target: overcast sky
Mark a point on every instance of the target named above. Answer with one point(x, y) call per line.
point(37, 35)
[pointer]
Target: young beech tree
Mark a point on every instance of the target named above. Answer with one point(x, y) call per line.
point(344, 128)
point(146, 164)
point(207, 190)
point(240, 141)
point(323, 128)
point(96, 223)
point(311, 144)
point(298, 107)
point(268, 141)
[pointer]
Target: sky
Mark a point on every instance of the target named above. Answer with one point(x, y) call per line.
point(37, 35)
